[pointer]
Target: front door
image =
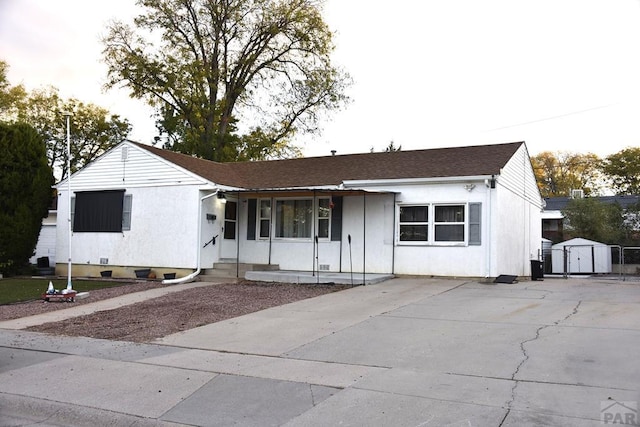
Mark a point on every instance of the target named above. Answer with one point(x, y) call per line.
point(229, 248)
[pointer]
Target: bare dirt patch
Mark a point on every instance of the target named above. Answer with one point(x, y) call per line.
point(159, 317)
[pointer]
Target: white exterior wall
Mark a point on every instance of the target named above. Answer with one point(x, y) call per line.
point(369, 221)
point(518, 226)
point(438, 259)
point(163, 232)
point(164, 213)
point(289, 254)
point(510, 233)
point(46, 245)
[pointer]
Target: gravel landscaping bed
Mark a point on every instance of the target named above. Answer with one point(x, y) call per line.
point(158, 317)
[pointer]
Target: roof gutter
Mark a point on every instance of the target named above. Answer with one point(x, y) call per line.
point(192, 276)
point(433, 180)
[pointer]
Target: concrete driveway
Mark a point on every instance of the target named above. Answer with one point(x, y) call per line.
point(406, 352)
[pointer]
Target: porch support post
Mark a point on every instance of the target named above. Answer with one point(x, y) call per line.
point(314, 241)
point(237, 234)
point(364, 238)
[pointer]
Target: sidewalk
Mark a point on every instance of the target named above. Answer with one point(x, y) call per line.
point(404, 352)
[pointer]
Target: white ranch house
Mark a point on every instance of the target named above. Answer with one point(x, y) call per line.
point(465, 212)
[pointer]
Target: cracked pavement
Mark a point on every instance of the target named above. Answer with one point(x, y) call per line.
point(406, 352)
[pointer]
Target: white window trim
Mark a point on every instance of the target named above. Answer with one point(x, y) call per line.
point(399, 223)
point(260, 218)
point(432, 225)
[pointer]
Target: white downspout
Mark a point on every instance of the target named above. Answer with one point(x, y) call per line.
point(489, 221)
point(193, 275)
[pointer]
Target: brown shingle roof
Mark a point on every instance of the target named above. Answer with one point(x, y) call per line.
point(332, 170)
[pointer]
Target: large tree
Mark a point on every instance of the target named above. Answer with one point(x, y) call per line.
point(93, 129)
point(25, 186)
point(229, 79)
point(623, 170)
point(591, 219)
point(560, 172)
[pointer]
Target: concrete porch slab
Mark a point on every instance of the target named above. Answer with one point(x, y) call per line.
point(290, 276)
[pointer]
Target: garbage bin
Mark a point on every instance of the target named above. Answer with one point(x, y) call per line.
point(537, 273)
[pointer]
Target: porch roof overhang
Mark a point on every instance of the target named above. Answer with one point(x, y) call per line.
point(306, 191)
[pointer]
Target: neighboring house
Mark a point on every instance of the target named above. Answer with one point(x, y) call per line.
point(553, 219)
point(465, 211)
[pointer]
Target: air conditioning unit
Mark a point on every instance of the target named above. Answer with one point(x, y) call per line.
point(577, 194)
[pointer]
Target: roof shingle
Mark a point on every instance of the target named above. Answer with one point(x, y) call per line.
point(332, 170)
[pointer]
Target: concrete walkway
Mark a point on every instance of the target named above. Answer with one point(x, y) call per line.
point(405, 352)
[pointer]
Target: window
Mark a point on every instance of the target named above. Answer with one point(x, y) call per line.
point(126, 212)
point(414, 223)
point(294, 218)
point(101, 211)
point(440, 224)
point(449, 223)
point(324, 215)
point(264, 216)
point(230, 219)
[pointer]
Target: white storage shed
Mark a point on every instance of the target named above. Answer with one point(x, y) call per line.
point(580, 256)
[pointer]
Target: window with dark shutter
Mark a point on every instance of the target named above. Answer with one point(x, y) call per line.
point(98, 211)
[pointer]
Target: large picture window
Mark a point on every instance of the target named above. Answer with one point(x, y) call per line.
point(294, 218)
point(101, 211)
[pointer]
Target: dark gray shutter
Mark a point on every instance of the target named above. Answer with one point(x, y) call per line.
point(336, 219)
point(251, 218)
point(475, 229)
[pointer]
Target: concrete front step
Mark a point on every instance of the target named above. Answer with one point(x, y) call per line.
point(231, 270)
point(244, 266)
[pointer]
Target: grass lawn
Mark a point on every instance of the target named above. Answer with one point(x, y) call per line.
point(27, 288)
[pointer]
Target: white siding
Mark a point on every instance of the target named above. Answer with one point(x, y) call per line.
point(163, 232)
point(140, 169)
point(518, 225)
point(46, 244)
point(517, 176)
point(164, 217)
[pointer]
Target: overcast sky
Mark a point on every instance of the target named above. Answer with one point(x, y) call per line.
point(557, 74)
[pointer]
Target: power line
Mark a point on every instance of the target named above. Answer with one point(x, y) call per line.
point(551, 118)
